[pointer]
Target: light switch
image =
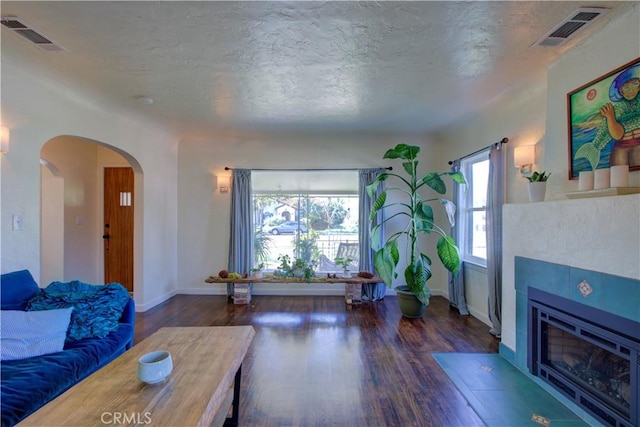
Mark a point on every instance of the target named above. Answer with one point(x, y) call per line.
point(17, 223)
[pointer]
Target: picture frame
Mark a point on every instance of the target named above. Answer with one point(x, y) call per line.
point(593, 110)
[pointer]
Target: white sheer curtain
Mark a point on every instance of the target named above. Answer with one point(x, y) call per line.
point(495, 200)
point(241, 225)
point(370, 291)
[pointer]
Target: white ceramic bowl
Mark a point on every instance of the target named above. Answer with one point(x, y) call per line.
point(154, 367)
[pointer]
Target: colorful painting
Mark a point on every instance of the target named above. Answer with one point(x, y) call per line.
point(604, 121)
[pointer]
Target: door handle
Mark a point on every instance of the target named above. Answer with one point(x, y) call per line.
point(106, 236)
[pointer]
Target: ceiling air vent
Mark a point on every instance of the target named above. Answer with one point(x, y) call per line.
point(29, 33)
point(567, 28)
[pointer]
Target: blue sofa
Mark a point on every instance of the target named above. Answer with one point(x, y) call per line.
point(27, 384)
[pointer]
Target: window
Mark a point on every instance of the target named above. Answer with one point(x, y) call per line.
point(307, 215)
point(472, 205)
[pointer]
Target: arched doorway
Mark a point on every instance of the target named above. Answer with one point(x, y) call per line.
point(80, 164)
point(51, 223)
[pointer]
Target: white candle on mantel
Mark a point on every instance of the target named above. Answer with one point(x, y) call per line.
point(585, 180)
point(620, 176)
point(601, 179)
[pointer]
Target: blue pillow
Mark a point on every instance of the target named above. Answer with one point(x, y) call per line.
point(16, 288)
point(97, 308)
point(27, 334)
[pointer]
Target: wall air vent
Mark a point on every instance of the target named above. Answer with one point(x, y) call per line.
point(570, 25)
point(35, 37)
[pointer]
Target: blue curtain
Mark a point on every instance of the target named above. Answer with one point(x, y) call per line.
point(241, 237)
point(456, 281)
point(370, 291)
point(495, 200)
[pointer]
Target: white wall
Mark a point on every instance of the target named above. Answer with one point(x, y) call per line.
point(520, 116)
point(601, 234)
point(51, 225)
point(615, 45)
point(76, 160)
point(203, 218)
point(536, 114)
point(38, 107)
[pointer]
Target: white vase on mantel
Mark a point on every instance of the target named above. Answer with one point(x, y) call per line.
point(537, 191)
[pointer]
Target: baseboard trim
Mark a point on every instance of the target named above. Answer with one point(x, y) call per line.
point(472, 311)
point(141, 308)
point(480, 316)
point(507, 353)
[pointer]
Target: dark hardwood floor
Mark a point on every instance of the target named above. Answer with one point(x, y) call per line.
point(317, 362)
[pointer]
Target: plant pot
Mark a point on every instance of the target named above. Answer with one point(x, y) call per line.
point(537, 191)
point(410, 306)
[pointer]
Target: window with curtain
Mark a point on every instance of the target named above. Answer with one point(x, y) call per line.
point(472, 206)
point(311, 215)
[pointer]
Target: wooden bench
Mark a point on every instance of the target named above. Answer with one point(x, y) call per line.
point(242, 287)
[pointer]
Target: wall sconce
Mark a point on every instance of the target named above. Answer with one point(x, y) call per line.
point(223, 183)
point(524, 157)
point(4, 139)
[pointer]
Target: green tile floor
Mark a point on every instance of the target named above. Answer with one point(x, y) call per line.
point(503, 396)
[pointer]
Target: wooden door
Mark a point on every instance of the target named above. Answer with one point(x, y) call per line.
point(118, 226)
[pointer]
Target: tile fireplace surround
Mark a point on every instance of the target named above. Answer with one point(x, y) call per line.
point(611, 294)
point(555, 246)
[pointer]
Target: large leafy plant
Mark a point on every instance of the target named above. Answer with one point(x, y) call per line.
point(418, 213)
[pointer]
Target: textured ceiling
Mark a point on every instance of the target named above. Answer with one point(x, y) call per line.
point(308, 66)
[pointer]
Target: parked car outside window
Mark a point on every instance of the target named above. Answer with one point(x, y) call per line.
point(288, 227)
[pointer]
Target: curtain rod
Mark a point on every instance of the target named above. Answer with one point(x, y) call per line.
point(502, 141)
point(227, 168)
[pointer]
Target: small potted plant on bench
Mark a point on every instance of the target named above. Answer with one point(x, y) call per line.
point(344, 263)
point(297, 268)
point(257, 271)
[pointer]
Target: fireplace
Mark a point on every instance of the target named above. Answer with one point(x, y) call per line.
point(590, 356)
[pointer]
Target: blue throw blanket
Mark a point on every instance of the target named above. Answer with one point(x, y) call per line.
point(97, 308)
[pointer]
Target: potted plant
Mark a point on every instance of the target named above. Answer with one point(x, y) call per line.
point(344, 263)
point(537, 185)
point(284, 269)
point(257, 271)
point(303, 269)
point(418, 218)
point(297, 268)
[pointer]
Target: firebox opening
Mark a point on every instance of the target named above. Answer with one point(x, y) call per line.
point(601, 371)
point(590, 356)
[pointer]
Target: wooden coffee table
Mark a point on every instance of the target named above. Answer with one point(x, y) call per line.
point(201, 390)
